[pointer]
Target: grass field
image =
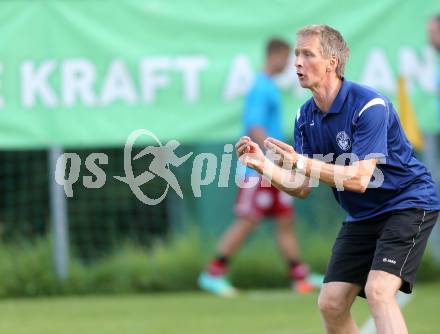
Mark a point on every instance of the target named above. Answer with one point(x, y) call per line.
point(271, 312)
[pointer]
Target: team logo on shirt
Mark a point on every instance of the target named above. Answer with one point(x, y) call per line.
point(343, 140)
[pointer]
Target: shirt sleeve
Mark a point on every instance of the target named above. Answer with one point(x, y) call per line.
point(371, 133)
point(301, 144)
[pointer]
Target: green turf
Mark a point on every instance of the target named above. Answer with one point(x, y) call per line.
point(271, 312)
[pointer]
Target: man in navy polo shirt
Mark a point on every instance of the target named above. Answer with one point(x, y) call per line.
point(349, 137)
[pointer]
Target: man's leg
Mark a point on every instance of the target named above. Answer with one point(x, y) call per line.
point(248, 212)
point(282, 209)
point(214, 278)
point(235, 236)
point(288, 244)
point(335, 302)
point(229, 244)
point(381, 290)
point(286, 238)
point(398, 254)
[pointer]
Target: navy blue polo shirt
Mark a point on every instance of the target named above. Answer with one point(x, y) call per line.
point(362, 124)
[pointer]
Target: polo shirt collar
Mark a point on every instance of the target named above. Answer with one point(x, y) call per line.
point(338, 101)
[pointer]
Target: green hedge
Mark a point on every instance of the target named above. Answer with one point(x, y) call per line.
point(27, 268)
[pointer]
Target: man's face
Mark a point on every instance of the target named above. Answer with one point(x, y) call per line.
point(434, 33)
point(279, 60)
point(310, 64)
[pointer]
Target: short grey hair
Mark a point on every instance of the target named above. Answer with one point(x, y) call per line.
point(332, 44)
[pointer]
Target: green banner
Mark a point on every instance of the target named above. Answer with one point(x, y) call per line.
point(88, 73)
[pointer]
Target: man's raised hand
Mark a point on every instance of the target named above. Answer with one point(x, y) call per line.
point(284, 153)
point(250, 154)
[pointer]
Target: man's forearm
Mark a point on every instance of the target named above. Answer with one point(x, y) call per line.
point(285, 180)
point(353, 177)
